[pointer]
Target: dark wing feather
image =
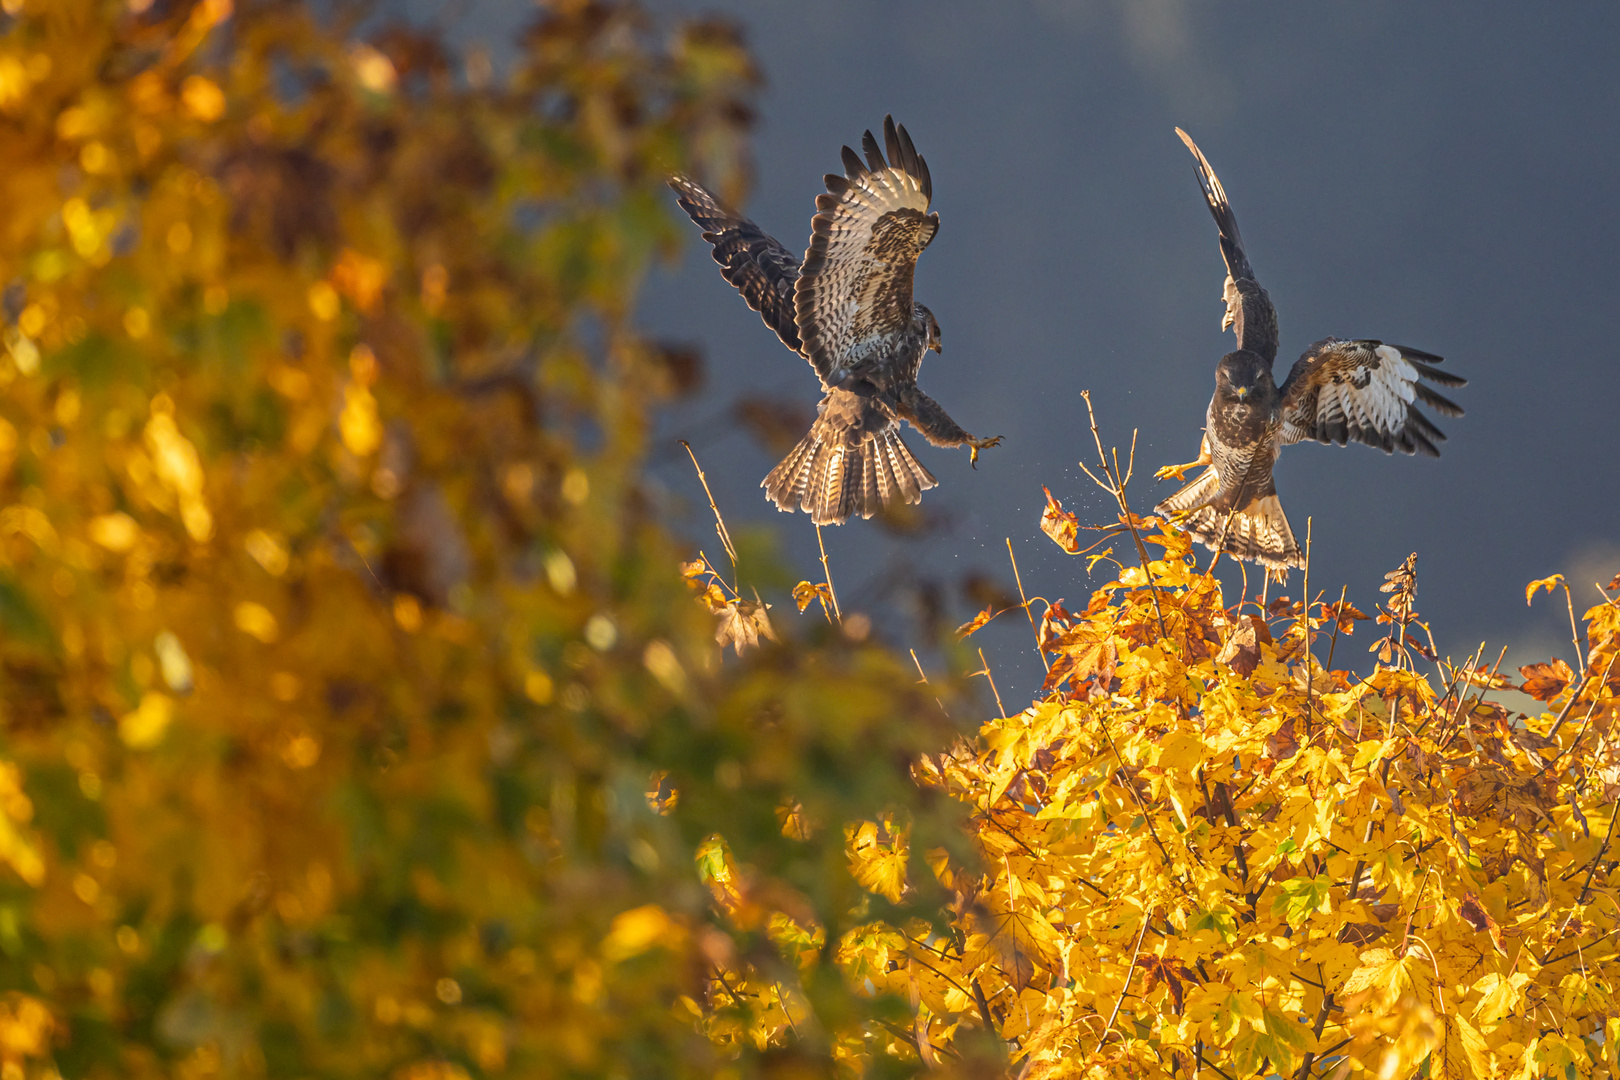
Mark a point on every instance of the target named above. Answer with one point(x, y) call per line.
point(1248, 308)
point(855, 288)
point(1368, 392)
point(759, 266)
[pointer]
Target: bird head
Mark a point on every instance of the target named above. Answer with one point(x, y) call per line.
point(930, 329)
point(1242, 375)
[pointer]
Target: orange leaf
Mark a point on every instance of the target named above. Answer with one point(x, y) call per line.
point(1062, 526)
point(1546, 681)
point(1346, 615)
point(806, 593)
point(973, 624)
point(1548, 583)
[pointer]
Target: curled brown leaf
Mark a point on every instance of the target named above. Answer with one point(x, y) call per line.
point(1062, 526)
point(1546, 681)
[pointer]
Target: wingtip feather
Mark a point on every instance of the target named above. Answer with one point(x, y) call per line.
point(874, 156)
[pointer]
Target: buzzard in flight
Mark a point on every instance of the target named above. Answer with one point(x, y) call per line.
point(848, 309)
point(1337, 391)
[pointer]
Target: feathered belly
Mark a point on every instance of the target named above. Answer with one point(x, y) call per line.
point(1245, 465)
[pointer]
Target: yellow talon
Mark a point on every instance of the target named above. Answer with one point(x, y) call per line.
point(980, 444)
point(1177, 472)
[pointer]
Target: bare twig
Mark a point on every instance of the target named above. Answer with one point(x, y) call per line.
point(1115, 486)
point(1334, 644)
point(1574, 634)
point(1310, 681)
point(1025, 600)
point(719, 522)
point(992, 680)
point(924, 681)
point(827, 573)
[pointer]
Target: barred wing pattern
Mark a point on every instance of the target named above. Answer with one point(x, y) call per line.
point(1368, 392)
point(1249, 311)
point(854, 296)
point(751, 259)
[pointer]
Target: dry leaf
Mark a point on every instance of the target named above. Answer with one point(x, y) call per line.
point(1490, 680)
point(1548, 583)
point(1475, 915)
point(1282, 606)
point(1241, 652)
point(973, 624)
point(742, 624)
point(1344, 616)
point(1546, 681)
point(1062, 526)
point(1360, 933)
point(806, 593)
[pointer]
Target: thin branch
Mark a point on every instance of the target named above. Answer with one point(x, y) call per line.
point(1334, 644)
point(992, 680)
point(1321, 1019)
point(1147, 917)
point(984, 1006)
point(827, 573)
point(1586, 886)
point(1574, 634)
point(1575, 692)
point(1147, 816)
point(1025, 599)
point(719, 522)
point(1115, 487)
point(1310, 681)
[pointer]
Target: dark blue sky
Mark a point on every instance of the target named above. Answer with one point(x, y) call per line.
point(1444, 177)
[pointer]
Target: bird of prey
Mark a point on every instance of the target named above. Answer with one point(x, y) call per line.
point(848, 309)
point(1337, 391)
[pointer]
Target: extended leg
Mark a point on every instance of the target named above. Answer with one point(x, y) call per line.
point(1179, 472)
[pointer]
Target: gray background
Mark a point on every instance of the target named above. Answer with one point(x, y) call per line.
point(1442, 176)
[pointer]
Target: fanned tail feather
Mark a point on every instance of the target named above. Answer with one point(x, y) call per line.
point(1195, 494)
point(832, 481)
point(1258, 532)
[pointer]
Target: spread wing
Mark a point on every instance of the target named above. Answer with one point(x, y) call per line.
point(1248, 308)
point(854, 291)
point(756, 263)
point(1369, 392)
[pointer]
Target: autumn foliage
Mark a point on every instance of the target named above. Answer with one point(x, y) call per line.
point(360, 717)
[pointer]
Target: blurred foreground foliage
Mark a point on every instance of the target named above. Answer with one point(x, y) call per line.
point(357, 719)
point(339, 640)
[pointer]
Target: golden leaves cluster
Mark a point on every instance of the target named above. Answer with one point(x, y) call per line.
point(1204, 853)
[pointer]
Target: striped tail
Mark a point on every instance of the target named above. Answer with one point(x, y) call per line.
point(1257, 532)
point(835, 473)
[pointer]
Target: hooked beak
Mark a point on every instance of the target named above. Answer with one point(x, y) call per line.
point(1243, 393)
point(936, 345)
